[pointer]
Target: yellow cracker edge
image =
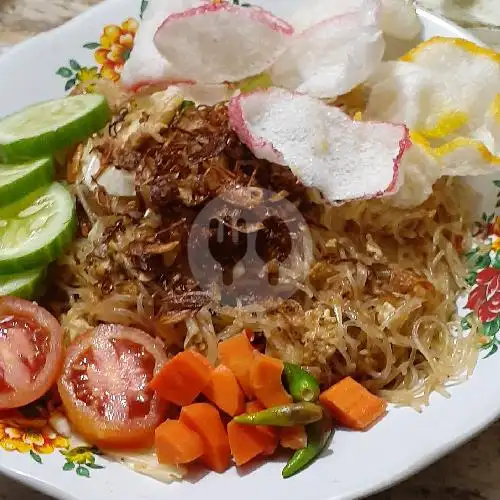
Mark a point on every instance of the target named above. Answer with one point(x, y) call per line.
point(469, 47)
point(450, 147)
point(495, 109)
point(447, 124)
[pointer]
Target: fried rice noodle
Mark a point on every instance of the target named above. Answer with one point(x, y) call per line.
point(378, 302)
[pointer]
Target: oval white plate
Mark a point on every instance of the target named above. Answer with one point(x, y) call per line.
point(356, 463)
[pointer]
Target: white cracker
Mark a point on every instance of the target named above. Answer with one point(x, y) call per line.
point(324, 148)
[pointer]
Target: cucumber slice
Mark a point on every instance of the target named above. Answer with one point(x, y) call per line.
point(36, 229)
point(26, 285)
point(18, 180)
point(45, 128)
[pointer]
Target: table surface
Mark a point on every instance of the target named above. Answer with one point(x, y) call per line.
point(470, 473)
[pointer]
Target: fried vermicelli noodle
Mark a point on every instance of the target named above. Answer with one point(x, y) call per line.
point(379, 301)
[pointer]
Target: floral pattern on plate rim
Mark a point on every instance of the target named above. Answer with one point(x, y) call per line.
point(484, 278)
point(36, 437)
point(110, 53)
point(28, 430)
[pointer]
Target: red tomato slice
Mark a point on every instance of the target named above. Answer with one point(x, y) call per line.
point(31, 352)
point(104, 386)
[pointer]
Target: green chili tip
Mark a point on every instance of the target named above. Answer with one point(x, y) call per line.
point(283, 416)
point(301, 384)
point(318, 435)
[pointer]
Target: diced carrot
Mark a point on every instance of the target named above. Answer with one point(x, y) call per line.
point(225, 392)
point(294, 437)
point(255, 406)
point(246, 442)
point(353, 405)
point(237, 354)
point(269, 434)
point(183, 378)
point(265, 377)
point(204, 419)
point(176, 443)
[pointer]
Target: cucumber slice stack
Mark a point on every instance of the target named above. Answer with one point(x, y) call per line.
point(18, 179)
point(25, 285)
point(37, 215)
point(47, 127)
point(36, 229)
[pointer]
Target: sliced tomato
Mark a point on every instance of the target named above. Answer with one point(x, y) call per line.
point(31, 352)
point(104, 386)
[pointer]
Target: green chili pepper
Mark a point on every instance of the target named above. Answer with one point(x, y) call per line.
point(301, 384)
point(318, 435)
point(283, 416)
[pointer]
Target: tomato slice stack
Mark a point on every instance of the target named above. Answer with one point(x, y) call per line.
point(31, 352)
point(104, 386)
